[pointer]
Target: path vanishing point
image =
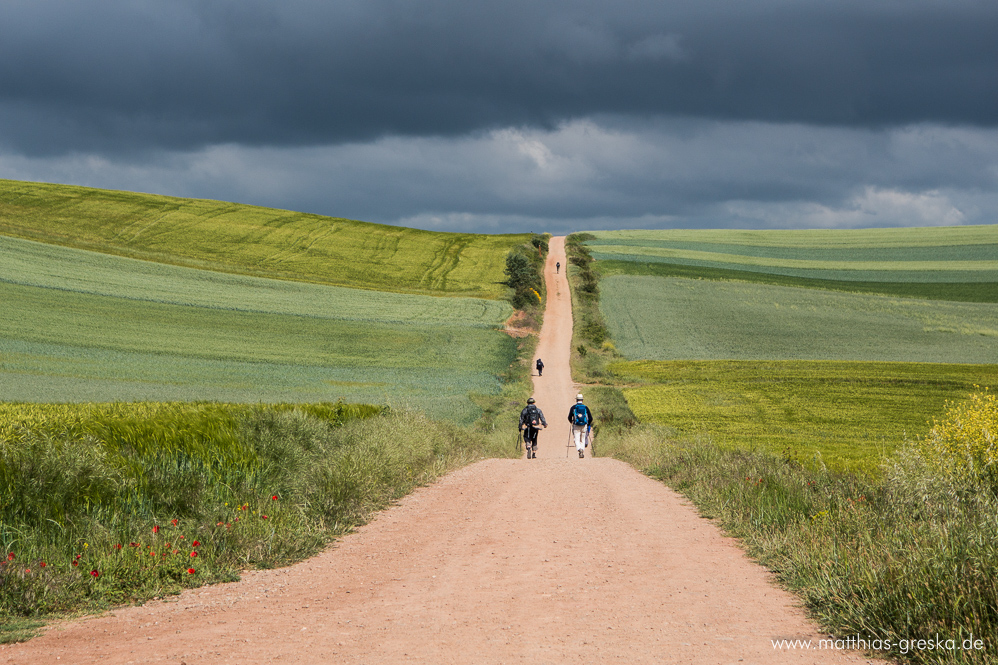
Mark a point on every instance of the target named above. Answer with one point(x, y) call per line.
point(551, 560)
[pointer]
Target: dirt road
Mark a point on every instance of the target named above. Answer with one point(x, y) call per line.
point(552, 560)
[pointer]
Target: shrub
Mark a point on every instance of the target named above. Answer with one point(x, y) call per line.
point(963, 444)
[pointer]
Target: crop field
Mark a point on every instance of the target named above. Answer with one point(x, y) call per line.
point(234, 238)
point(848, 415)
point(667, 318)
point(91, 327)
point(950, 263)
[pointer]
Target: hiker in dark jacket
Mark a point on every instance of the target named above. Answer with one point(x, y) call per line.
point(581, 419)
point(531, 421)
point(540, 367)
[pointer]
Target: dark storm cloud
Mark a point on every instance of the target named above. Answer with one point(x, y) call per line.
point(120, 76)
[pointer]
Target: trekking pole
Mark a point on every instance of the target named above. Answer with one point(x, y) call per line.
point(519, 439)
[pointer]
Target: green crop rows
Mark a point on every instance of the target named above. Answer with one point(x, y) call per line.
point(659, 318)
point(948, 263)
point(848, 415)
point(92, 327)
point(235, 238)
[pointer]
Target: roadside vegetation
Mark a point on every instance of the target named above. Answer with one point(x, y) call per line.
point(907, 553)
point(525, 273)
point(249, 240)
point(869, 488)
point(104, 504)
point(591, 345)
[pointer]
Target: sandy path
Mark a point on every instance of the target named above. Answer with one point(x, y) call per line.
point(553, 560)
point(554, 391)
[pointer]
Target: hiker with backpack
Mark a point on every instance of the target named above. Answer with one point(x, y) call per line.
point(557, 267)
point(581, 419)
point(540, 366)
point(531, 421)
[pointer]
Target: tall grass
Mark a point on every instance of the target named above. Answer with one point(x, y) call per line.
point(106, 504)
point(910, 555)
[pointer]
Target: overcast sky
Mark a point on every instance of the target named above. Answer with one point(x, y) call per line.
point(517, 115)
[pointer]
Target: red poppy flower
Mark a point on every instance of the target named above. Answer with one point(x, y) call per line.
point(218, 524)
point(152, 554)
point(190, 571)
point(173, 522)
point(196, 543)
point(94, 573)
point(273, 498)
point(27, 570)
point(10, 557)
point(194, 553)
point(155, 529)
point(168, 546)
point(43, 564)
point(263, 516)
point(76, 563)
point(118, 546)
point(134, 544)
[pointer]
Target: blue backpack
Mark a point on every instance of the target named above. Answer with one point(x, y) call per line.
point(579, 417)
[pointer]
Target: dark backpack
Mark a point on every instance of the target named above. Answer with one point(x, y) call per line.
point(533, 416)
point(579, 415)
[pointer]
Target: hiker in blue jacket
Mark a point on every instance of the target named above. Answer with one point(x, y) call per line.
point(581, 419)
point(531, 421)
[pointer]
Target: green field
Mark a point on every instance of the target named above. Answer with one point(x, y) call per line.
point(229, 237)
point(93, 327)
point(664, 318)
point(948, 263)
point(848, 415)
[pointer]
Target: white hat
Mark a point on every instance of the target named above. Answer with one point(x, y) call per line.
point(578, 398)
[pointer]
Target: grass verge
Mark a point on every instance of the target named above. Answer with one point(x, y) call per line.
point(108, 504)
point(592, 349)
point(909, 555)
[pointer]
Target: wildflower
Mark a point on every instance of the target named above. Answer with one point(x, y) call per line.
point(236, 520)
point(263, 516)
point(190, 571)
point(94, 573)
point(27, 570)
point(42, 564)
point(86, 545)
point(182, 537)
point(155, 529)
point(133, 544)
point(196, 543)
point(173, 522)
point(168, 546)
point(10, 557)
point(273, 498)
point(76, 563)
point(194, 554)
point(218, 524)
point(118, 546)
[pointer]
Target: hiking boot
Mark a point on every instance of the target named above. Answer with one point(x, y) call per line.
point(581, 454)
